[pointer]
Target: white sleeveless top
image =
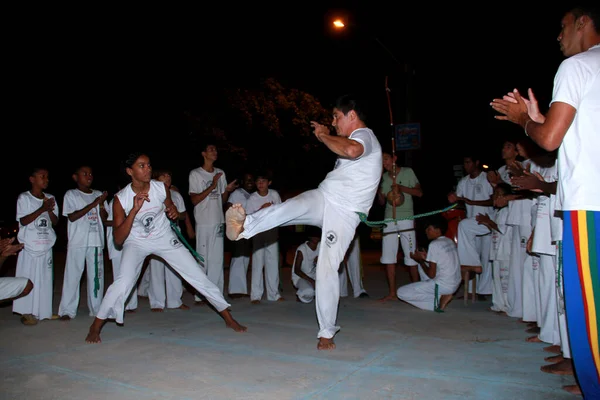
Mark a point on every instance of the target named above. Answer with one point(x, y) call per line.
point(151, 221)
point(308, 262)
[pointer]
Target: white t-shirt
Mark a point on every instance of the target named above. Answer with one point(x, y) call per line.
point(110, 242)
point(519, 210)
point(151, 221)
point(577, 83)
point(475, 189)
point(308, 266)
point(239, 196)
point(353, 183)
point(39, 236)
point(87, 231)
point(210, 210)
point(256, 201)
point(444, 253)
point(501, 241)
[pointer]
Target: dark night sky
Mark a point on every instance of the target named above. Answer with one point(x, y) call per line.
point(88, 83)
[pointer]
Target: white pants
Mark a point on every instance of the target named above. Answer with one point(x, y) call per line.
point(12, 287)
point(560, 306)
point(515, 277)
point(338, 226)
point(210, 246)
point(175, 254)
point(354, 268)
point(403, 232)
point(165, 287)
point(518, 259)
point(238, 267)
point(78, 259)
point(548, 321)
point(265, 258)
point(38, 269)
point(132, 302)
point(305, 292)
point(422, 294)
point(500, 285)
point(473, 243)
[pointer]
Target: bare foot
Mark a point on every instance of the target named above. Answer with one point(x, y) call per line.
point(93, 335)
point(232, 323)
point(65, 318)
point(533, 339)
point(156, 310)
point(234, 220)
point(281, 299)
point(200, 303)
point(445, 300)
point(564, 367)
point(132, 311)
point(554, 359)
point(183, 307)
point(255, 302)
point(573, 389)
point(388, 298)
point(325, 344)
point(553, 349)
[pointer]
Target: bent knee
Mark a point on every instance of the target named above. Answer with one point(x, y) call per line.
point(28, 287)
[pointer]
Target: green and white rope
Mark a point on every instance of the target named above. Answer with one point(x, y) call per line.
point(383, 223)
point(175, 227)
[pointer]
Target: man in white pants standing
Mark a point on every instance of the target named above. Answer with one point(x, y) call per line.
point(334, 206)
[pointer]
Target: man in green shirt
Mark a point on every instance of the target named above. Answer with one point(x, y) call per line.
point(403, 231)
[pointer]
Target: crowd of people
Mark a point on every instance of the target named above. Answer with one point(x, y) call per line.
point(528, 238)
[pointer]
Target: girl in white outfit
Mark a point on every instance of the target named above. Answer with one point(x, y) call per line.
point(141, 213)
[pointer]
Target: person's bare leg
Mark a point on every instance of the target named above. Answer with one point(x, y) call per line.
point(183, 307)
point(156, 310)
point(573, 389)
point(413, 273)
point(232, 323)
point(234, 220)
point(390, 270)
point(533, 339)
point(325, 344)
point(554, 359)
point(553, 349)
point(93, 335)
point(445, 300)
point(564, 367)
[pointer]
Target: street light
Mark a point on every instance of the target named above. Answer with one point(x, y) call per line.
point(339, 24)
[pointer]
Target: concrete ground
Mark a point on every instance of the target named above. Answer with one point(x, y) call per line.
point(384, 351)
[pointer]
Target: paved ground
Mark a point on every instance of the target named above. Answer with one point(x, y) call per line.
point(384, 351)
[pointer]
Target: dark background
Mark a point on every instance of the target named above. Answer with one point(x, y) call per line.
point(91, 84)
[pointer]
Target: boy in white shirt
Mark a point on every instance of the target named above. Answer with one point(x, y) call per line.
point(85, 209)
point(304, 270)
point(439, 270)
point(265, 245)
point(37, 213)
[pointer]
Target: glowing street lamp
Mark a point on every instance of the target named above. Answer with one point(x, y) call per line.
point(338, 23)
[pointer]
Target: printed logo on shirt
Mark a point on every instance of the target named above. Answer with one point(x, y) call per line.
point(42, 224)
point(478, 188)
point(92, 217)
point(148, 222)
point(50, 263)
point(175, 242)
point(220, 230)
point(523, 241)
point(215, 192)
point(330, 238)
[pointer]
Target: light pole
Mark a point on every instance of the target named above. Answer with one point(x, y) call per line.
point(405, 67)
